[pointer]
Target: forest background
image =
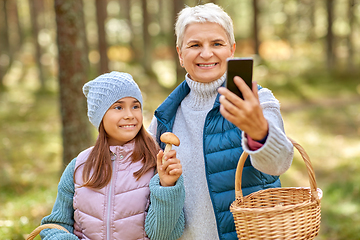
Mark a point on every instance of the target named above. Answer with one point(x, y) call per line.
point(306, 51)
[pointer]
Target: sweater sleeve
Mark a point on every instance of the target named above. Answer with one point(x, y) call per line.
point(63, 211)
point(255, 145)
point(152, 127)
point(276, 155)
point(165, 218)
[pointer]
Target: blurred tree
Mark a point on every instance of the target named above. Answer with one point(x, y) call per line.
point(166, 33)
point(147, 40)
point(330, 57)
point(94, 73)
point(34, 14)
point(290, 11)
point(72, 56)
point(178, 5)
point(350, 44)
point(5, 50)
point(14, 18)
point(161, 18)
point(101, 16)
point(255, 26)
point(5, 28)
point(312, 9)
point(125, 12)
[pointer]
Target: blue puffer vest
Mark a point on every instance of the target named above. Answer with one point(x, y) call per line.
point(222, 149)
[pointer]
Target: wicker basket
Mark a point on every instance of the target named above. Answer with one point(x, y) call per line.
point(37, 230)
point(278, 213)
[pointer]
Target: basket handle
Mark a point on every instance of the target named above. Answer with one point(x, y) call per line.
point(305, 157)
point(37, 230)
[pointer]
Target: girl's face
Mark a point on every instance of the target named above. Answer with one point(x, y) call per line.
point(204, 51)
point(123, 121)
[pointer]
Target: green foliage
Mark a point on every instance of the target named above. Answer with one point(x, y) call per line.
point(321, 112)
point(341, 209)
point(30, 152)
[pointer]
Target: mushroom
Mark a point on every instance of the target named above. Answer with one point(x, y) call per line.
point(169, 139)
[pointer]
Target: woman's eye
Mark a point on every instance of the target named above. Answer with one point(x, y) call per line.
point(217, 44)
point(194, 45)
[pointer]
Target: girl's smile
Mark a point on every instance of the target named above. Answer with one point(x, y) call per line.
point(127, 126)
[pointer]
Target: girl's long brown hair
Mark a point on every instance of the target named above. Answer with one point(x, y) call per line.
point(97, 170)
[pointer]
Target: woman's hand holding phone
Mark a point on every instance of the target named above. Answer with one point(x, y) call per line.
point(245, 113)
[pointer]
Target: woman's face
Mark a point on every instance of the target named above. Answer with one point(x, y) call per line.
point(204, 51)
point(123, 121)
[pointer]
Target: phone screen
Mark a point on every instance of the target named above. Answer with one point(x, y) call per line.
point(242, 67)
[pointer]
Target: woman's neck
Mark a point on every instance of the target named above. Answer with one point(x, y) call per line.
point(202, 94)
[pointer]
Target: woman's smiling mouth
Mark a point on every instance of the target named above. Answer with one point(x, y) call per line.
point(207, 65)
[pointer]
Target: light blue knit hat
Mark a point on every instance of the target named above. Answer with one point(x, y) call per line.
point(105, 90)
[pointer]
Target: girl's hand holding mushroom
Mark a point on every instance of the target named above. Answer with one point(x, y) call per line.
point(168, 166)
point(169, 139)
point(170, 170)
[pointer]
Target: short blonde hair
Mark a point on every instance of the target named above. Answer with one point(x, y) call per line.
point(208, 12)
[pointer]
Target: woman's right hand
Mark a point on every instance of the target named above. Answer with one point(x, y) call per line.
point(245, 113)
point(169, 171)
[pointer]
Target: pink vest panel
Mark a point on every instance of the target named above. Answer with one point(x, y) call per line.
point(118, 210)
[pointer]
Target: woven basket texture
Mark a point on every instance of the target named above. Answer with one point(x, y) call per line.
point(278, 213)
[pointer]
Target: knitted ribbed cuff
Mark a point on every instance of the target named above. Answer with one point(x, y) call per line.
point(275, 156)
point(165, 219)
point(168, 193)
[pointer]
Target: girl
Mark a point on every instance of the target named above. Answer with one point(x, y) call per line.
point(104, 192)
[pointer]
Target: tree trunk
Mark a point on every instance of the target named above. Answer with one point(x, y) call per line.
point(180, 71)
point(312, 19)
point(126, 14)
point(255, 27)
point(146, 60)
point(72, 76)
point(4, 42)
point(101, 16)
point(290, 22)
point(330, 35)
point(90, 74)
point(350, 44)
point(14, 18)
point(5, 38)
point(34, 13)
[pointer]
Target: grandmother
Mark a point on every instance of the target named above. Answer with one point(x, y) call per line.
point(215, 126)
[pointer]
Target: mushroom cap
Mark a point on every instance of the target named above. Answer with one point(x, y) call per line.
point(170, 138)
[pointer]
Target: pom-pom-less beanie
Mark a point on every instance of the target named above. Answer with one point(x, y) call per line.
point(105, 90)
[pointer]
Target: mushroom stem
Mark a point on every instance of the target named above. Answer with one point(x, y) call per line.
point(169, 139)
point(168, 147)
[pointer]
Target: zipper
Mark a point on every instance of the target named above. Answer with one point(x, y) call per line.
point(108, 218)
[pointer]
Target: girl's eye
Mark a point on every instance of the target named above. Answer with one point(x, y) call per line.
point(136, 107)
point(118, 107)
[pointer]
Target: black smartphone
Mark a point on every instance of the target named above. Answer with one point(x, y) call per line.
point(242, 67)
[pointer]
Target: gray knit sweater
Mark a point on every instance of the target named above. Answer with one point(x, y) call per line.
point(274, 157)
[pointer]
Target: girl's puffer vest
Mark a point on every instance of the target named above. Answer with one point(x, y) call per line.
point(118, 210)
